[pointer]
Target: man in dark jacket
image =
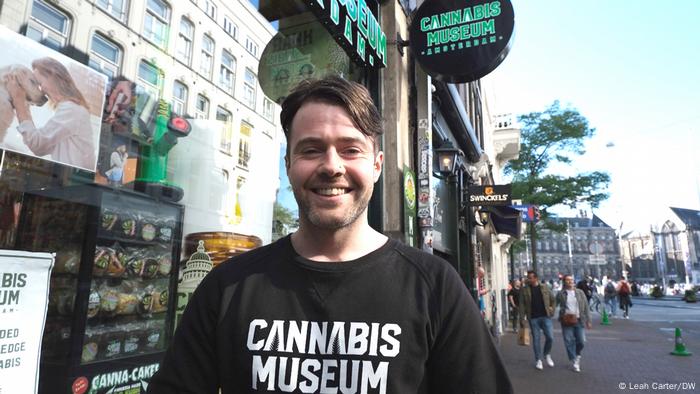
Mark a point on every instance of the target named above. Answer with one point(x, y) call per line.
point(537, 307)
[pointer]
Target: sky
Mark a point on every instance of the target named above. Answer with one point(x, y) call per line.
point(632, 68)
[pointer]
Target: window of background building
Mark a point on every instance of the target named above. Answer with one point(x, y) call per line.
point(207, 59)
point(244, 145)
point(251, 47)
point(227, 73)
point(224, 116)
point(48, 25)
point(230, 28)
point(185, 36)
point(268, 109)
point(179, 102)
point(117, 8)
point(105, 56)
point(202, 107)
point(156, 22)
point(149, 78)
point(210, 8)
point(249, 87)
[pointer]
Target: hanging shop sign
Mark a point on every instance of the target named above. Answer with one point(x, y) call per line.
point(24, 295)
point(459, 41)
point(301, 49)
point(490, 195)
point(355, 28)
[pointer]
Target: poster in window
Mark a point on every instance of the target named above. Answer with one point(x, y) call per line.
point(50, 105)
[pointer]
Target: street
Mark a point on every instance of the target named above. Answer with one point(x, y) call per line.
point(628, 356)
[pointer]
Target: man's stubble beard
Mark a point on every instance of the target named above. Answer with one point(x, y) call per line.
point(316, 217)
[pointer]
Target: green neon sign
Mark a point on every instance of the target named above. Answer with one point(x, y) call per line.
point(355, 26)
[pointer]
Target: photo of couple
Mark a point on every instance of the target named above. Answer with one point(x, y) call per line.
point(50, 105)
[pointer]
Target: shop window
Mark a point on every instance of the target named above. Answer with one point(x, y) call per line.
point(179, 102)
point(251, 47)
point(249, 88)
point(244, 145)
point(230, 28)
point(105, 56)
point(185, 36)
point(117, 8)
point(156, 23)
point(210, 8)
point(268, 109)
point(227, 73)
point(207, 59)
point(48, 25)
point(202, 107)
point(224, 116)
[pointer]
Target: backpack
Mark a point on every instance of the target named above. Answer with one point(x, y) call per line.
point(610, 288)
point(624, 288)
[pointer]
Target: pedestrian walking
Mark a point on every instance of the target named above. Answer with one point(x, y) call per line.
point(623, 293)
point(537, 307)
point(595, 296)
point(585, 288)
point(610, 295)
point(573, 315)
point(336, 304)
point(514, 301)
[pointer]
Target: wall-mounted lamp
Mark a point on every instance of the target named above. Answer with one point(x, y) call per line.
point(448, 159)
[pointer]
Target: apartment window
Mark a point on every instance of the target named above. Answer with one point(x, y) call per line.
point(210, 8)
point(227, 73)
point(184, 41)
point(116, 8)
point(105, 56)
point(202, 107)
point(149, 78)
point(268, 109)
point(230, 28)
point(249, 84)
point(156, 22)
point(207, 59)
point(179, 102)
point(244, 145)
point(48, 25)
point(224, 116)
point(251, 47)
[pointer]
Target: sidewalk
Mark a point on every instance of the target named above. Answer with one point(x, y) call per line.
point(626, 353)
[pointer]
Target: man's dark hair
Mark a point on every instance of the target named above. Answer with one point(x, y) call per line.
point(531, 272)
point(351, 96)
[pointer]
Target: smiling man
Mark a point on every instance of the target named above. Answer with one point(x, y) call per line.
point(336, 307)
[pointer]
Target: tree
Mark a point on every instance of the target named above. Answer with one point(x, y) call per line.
point(554, 136)
point(283, 219)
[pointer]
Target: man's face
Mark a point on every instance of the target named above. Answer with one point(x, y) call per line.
point(516, 284)
point(532, 280)
point(569, 282)
point(331, 166)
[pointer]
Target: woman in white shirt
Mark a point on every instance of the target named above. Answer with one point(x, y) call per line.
point(67, 136)
point(573, 315)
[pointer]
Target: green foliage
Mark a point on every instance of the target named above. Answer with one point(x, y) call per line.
point(691, 295)
point(656, 292)
point(282, 218)
point(556, 135)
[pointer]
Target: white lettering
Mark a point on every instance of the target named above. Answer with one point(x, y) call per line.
point(259, 323)
point(394, 345)
point(374, 378)
point(265, 372)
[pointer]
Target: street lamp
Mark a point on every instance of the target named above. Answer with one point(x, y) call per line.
point(448, 159)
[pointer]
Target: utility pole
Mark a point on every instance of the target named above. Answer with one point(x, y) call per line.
point(533, 247)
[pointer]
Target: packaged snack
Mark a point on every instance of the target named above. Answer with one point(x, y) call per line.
point(67, 261)
point(109, 300)
point(113, 342)
point(102, 259)
point(132, 338)
point(165, 264)
point(165, 230)
point(117, 261)
point(160, 299)
point(146, 300)
point(90, 345)
point(128, 226)
point(126, 304)
point(109, 220)
point(150, 268)
point(93, 303)
point(153, 335)
point(148, 229)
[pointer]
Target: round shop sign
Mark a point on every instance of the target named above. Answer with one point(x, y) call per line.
point(459, 41)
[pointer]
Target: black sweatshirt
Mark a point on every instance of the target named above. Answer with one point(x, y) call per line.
point(397, 320)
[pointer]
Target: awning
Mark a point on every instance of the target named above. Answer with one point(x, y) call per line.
point(505, 220)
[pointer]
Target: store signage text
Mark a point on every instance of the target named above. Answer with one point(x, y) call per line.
point(356, 24)
point(124, 376)
point(490, 195)
point(461, 40)
point(9, 288)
